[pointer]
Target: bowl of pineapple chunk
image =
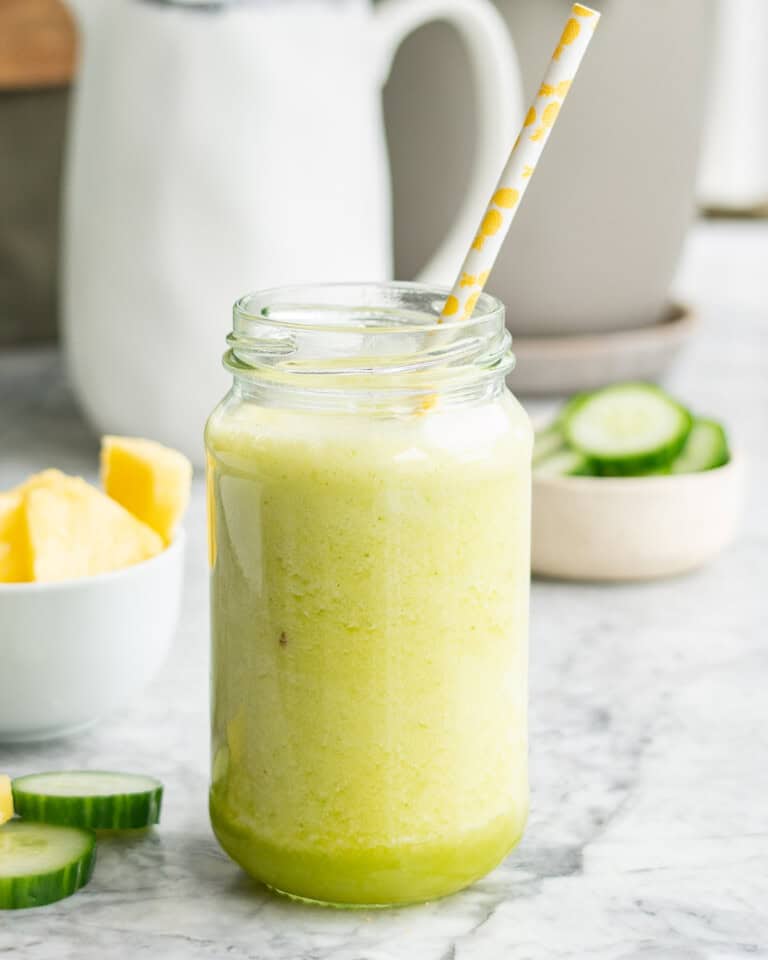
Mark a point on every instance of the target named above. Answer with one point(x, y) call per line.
point(90, 587)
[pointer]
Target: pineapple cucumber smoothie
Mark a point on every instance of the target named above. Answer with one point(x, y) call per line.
point(369, 615)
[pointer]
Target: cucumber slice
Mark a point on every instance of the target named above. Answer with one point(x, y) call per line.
point(41, 863)
point(564, 463)
point(550, 439)
point(85, 798)
point(546, 442)
point(628, 428)
point(705, 449)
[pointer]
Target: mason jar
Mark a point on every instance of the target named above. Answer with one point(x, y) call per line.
point(369, 512)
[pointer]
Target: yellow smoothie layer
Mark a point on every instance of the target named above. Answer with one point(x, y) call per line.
point(369, 605)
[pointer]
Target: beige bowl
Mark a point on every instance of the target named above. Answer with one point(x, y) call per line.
point(634, 528)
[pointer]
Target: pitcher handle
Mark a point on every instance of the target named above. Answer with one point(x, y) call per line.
point(498, 91)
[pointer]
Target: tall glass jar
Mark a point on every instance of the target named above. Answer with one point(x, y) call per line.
point(369, 505)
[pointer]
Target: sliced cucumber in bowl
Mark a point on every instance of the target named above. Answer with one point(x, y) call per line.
point(564, 463)
point(706, 448)
point(550, 439)
point(627, 429)
point(547, 442)
point(99, 800)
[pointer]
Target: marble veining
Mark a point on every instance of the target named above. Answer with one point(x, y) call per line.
point(648, 836)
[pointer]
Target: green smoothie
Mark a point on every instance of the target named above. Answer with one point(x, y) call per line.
point(369, 610)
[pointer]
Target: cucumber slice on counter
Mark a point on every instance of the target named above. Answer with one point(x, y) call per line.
point(41, 863)
point(546, 442)
point(564, 463)
point(705, 448)
point(84, 798)
point(628, 428)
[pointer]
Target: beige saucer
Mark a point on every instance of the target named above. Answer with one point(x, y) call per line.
point(634, 528)
point(564, 365)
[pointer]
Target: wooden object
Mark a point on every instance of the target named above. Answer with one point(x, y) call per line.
point(37, 44)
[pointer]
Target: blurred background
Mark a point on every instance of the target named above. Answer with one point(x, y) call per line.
point(160, 158)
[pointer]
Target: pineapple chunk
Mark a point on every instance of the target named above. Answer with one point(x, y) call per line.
point(148, 479)
point(13, 560)
point(6, 799)
point(46, 478)
point(73, 530)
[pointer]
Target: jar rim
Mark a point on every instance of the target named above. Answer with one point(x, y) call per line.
point(286, 307)
point(364, 340)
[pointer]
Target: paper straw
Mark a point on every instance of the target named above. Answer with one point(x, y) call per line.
point(522, 161)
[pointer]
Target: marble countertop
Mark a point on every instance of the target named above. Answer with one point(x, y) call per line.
point(648, 835)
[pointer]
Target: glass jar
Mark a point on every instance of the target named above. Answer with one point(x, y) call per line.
point(369, 506)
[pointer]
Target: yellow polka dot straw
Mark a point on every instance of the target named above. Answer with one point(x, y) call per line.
point(522, 161)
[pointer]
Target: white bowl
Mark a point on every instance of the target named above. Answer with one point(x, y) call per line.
point(634, 528)
point(75, 651)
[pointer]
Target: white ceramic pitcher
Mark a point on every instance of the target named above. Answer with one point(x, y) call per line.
point(224, 147)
